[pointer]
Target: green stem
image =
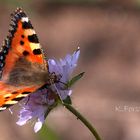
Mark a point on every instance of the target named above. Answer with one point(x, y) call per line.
point(84, 120)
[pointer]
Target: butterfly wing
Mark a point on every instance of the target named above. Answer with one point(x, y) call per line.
point(22, 41)
point(22, 65)
point(10, 95)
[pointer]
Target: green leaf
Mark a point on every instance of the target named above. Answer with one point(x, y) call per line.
point(68, 100)
point(75, 79)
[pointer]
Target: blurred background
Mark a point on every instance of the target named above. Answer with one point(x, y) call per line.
point(108, 33)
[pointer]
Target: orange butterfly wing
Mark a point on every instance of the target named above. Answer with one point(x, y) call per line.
point(22, 65)
point(9, 95)
point(22, 41)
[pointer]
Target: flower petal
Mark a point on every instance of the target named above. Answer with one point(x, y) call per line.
point(37, 106)
point(37, 126)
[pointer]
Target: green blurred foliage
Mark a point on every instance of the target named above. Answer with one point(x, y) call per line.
point(15, 3)
point(138, 2)
point(28, 3)
point(73, 1)
point(47, 133)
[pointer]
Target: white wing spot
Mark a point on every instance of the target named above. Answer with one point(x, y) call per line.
point(25, 19)
point(2, 108)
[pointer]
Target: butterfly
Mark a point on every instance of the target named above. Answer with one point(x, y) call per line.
point(23, 68)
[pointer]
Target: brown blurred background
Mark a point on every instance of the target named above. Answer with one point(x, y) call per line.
point(108, 33)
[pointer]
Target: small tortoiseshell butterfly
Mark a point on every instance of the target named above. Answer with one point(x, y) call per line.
point(23, 68)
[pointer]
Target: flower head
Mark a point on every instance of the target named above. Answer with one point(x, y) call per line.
point(38, 104)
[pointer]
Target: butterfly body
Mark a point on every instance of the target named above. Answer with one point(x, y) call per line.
point(23, 68)
point(27, 74)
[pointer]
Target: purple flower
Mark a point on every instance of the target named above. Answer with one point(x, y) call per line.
point(38, 104)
